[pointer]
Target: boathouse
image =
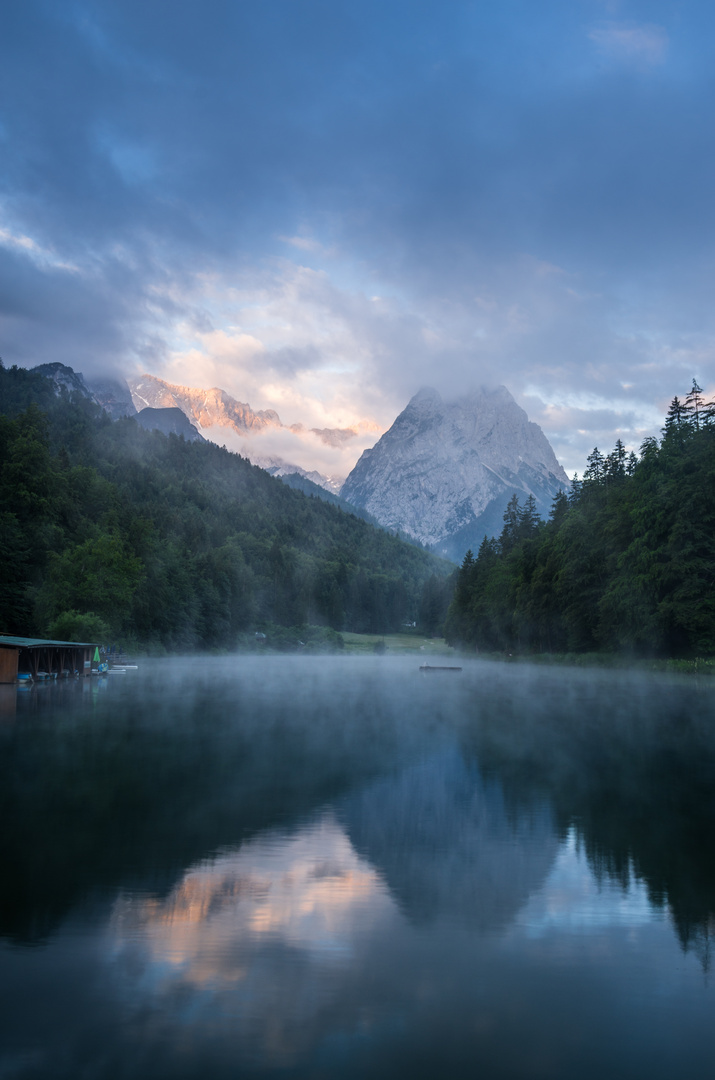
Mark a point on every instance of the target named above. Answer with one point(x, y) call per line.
point(20, 655)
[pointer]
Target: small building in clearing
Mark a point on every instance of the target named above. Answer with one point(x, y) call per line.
point(20, 655)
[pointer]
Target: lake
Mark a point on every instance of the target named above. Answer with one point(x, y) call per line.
point(341, 867)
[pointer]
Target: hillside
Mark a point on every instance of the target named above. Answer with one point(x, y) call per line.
point(302, 483)
point(173, 543)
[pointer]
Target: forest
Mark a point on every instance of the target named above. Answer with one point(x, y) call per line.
point(625, 563)
point(111, 533)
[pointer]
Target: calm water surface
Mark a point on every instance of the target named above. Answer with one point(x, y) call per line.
point(317, 867)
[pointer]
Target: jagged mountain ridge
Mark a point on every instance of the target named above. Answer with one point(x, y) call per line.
point(216, 408)
point(445, 470)
point(114, 396)
point(278, 467)
point(204, 408)
point(111, 394)
point(155, 403)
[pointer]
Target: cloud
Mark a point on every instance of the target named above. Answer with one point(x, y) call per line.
point(335, 436)
point(28, 247)
point(644, 43)
point(307, 243)
point(321, 209)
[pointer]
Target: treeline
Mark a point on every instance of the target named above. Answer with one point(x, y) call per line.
point(626, 561)
point(109, 532)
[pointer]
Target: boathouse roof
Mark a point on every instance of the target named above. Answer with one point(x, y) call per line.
point(38, 643)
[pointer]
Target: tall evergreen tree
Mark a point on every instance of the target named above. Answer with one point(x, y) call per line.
point(694, 404)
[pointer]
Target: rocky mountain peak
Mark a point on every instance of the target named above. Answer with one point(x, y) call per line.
point(64, 377)
point(204, 408)
point(445, 470)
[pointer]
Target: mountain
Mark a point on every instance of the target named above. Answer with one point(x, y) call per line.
point(445, 470)
point(205, 408)
point(212, 408)
point(151, 399)
point(279, 467)
point(173, 543)
point(169, 422)
point(300, 482)
point(111, 394)
point(64, 378)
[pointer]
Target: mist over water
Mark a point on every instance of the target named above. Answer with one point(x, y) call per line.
point(320, 866)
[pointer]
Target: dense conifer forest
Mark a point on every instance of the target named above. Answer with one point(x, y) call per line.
point(112, 533)
point(625, 563)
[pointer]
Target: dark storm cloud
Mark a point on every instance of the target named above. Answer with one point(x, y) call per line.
point(219, 123)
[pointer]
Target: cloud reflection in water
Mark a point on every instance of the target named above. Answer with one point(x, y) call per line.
point(259, 933)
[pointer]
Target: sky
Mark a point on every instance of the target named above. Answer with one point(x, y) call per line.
point(322, 206)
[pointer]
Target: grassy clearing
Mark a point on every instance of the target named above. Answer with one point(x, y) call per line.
point(698, 666)
point(396, 644)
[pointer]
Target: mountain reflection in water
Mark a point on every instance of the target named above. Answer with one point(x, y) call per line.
point(446, 844)
point(322, 868)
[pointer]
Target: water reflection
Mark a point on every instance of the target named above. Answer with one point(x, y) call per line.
point(306, 891)
point(305, 910)
point(262, 936)
point(335, 869)
point(576, 900)
point(446, 844)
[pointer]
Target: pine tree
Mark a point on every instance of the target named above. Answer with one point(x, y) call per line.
point(529, 519)
point(559, 506)
point(694, 404)
point(576, 491)
point(510, 532)
point(596, 470)
point(675, 421)
point(615, 465)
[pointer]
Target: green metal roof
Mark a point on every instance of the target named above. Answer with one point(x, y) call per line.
point(38, 643)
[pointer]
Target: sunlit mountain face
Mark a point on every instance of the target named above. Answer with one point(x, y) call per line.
point(324, 454)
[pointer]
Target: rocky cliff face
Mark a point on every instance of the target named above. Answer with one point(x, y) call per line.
point(114, 397)
point(445, 471)
point(214, 408)
point(112, 394)
point(204, 408)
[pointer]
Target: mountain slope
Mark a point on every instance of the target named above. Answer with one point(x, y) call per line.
point(171, 543)
point(300, 482)
point(169, 422)
point(445, 471)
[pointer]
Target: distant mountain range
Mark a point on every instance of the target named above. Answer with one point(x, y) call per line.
point(204, 408)
point(160, 405)
point(445, 470)
point(214, 408)
point(284, 469)
point(442, 475)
